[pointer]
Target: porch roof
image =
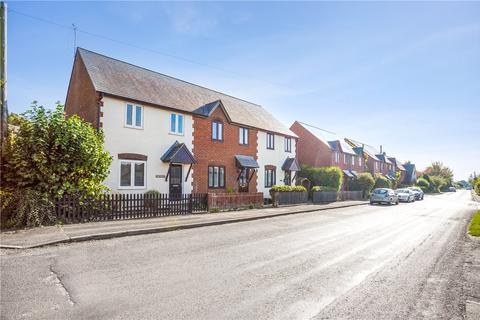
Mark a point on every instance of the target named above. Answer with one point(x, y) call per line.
point(178, 153)
point(291, 164)
point(246, 161)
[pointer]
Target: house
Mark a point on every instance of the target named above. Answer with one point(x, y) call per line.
point(410, 174)
point(176, 137)
point(398, 167)
point(373, 163)
point(320, 148)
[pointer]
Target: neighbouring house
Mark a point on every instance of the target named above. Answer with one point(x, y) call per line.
point(320, 148)
point(398, 167)
point(373, 163)
point(176, 137)
point(410, 174)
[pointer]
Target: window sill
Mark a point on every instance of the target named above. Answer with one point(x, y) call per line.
point(176, 133)
point(132, 188)
point(133, 127)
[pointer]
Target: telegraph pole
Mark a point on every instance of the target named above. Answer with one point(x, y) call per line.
point(3, 73)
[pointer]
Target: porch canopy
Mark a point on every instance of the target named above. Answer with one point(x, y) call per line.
point(348, 173)
point(246, 162)
point(291, 164)
point(178, 153)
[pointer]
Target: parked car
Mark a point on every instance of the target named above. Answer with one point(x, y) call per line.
point(383, 195)
point(452, 189)
point(418, 193)
point(405, 195)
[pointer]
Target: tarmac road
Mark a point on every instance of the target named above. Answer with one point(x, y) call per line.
point(365, 262)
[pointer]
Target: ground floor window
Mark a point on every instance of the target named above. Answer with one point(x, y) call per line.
point(216, 177)
point(269, 178)
point(133, 174)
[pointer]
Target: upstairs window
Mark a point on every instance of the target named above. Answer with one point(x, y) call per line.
point(270, 141)
point(360, 161)
point(345, 159)
point(217, 130)
point(336, 156)
point(288, 144)
point(243, 136)
point(176, 123)
point(134, 116)
point(353, 160)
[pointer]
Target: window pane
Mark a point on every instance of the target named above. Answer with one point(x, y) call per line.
point(240, 134)
point(210, 176)
point(180, 123)
point(138, 116)
point(214, 130)
point(220, 131)
point(173, 120)
point(246, 136)
point(125, 174)
point(215, 177)
point(139, 174)
point(222, 177)
point(129, 114)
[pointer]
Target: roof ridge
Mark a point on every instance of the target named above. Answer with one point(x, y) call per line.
point(310, 125)
point(168, 76)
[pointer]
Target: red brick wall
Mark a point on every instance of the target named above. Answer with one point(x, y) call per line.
point(220, 153)
point(82, 98)
point(310, 150)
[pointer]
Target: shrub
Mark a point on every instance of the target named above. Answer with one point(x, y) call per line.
point(323, 188)
point(436, 183)
point(230, 190)
point(28, 207)
point(153, 192)
point(325, 176)
point(277, 188)
point(423, 184)
point(363, 182)
point(382, 182)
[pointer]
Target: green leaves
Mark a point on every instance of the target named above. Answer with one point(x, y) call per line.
point(53, 155)
point(325, 176)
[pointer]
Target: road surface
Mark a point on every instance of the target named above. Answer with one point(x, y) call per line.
point(366, 262)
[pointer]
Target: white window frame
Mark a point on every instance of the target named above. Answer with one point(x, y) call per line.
point(353, 160)
point(244, 131)
point(288, 144)
point(270, 142)
point(134, 116)
point(176, 124)
point(360, 161)
point(132, 175)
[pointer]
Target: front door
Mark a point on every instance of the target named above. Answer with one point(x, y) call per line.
point(243, 180)
point(175, 181)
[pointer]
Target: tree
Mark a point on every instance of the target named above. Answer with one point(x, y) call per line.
point(438, 169)
point(363, 182)
point(381, 182)
point(51, 156)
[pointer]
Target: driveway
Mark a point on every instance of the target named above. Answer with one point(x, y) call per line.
point(365, 262)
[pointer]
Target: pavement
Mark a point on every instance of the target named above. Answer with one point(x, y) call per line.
point(38, 237)
point(411, 261)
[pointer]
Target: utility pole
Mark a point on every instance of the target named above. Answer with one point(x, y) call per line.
point(3, 74)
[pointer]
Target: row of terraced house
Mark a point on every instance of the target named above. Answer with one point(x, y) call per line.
point(176, 137)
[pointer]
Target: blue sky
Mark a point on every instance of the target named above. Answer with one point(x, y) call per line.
point(404, 75)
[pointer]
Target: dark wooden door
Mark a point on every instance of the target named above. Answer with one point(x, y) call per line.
point(175, 181)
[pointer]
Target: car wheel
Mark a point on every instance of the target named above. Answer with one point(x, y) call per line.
point(396, 203)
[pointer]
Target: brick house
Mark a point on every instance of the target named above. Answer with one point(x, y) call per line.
point(320, 148)
point(372, 162)
point(176, 137)
point(398, 167)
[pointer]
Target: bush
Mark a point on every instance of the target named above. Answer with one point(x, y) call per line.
point(363, 182)
point(423, 184)
point(326, 176)
point(382, 182)
point(323, 188)
point(436, 183)
point(277, 188)
point(27, 207)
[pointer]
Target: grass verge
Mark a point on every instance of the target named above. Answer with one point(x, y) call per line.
point(474, 229)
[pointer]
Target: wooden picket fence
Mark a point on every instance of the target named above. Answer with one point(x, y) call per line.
point(129, 206)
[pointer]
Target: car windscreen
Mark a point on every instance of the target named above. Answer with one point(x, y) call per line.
point(380, 191)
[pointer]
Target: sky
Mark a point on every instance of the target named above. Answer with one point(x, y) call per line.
point(404, 75)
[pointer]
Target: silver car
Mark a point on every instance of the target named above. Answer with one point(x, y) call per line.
point(419, 195)
point(405, 195)
point(383, 195)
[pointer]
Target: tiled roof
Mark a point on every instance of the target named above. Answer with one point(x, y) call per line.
point(332, 140)
point(291, 164)
point(383, 157)
point(178, 153)
point(371, 151)
point(397, 163)
point(122, 79)
point(246, 161)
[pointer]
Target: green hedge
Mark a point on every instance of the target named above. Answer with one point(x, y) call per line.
point(323, 188)
point(288, 189)
point(363, 182)
point(326, 176)
point(382, 182)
